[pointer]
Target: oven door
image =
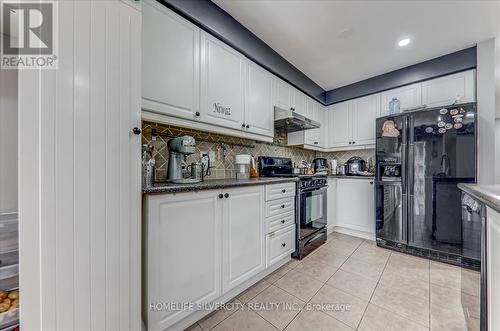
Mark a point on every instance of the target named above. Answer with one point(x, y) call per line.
point(312, 209)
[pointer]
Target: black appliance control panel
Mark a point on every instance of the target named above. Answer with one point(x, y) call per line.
point(312, 183)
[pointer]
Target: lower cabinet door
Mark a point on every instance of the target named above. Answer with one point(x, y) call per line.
point(183, 250)
point(280, 244)
point(243, 234)
point(355, 204)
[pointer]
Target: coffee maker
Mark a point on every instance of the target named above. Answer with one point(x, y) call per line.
point(178, 171)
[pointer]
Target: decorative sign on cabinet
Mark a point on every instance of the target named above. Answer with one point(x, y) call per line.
point(222, 84)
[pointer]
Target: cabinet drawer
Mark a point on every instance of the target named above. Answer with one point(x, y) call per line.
point(280, 244)
point(280, 221)
point(280, 206)
point(278, 191)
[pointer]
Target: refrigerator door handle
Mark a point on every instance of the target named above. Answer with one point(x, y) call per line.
point(404, 218)
point(410, 181)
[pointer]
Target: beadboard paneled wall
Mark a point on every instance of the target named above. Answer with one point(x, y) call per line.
point(225, 149)
point(79, 174)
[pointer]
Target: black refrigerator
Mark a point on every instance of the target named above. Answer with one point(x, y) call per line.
point(421, 156)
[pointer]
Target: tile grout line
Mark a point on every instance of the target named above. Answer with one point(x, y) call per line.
point(371, 296)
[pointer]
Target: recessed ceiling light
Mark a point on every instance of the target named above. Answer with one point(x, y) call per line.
point(403, 42)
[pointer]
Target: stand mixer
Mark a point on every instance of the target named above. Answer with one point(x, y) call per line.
point(178, 148)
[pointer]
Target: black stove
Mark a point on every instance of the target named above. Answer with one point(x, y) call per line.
point(310, 203)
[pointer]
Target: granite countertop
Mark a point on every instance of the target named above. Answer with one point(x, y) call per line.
point(214, 184)
point(351, 177)
point(487, 194)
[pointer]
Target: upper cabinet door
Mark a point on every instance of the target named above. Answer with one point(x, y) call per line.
point(222, 84)
point(364, 112)
point(282, 94)
point(314, 136)
point(259, 111)
point(339, 124)
point(448, 89)
point(170, 62)
point(299, 102)
point(243, 235)
point(409, 96)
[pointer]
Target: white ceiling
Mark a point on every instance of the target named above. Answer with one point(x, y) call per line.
point(336, 43)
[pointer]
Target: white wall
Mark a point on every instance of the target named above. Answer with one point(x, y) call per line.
point(8, 141)
point(486, 111)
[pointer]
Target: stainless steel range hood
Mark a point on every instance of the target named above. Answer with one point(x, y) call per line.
point(290, 121)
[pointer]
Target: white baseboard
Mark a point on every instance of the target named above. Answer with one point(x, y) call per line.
point(354, 233)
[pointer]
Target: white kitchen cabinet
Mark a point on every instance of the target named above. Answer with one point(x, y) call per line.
point(355, 205)
point(183, 252)
point(243, 232)
point(222, 84)
point(299, 102)
point(280, 244)
point(339, 124)
point(332, 197)
point(410, 96)
point(170, 62)
point(493, 268)
point(259, 110)
point(365, 110)
point(312, 138)
point(446, 90)
point(282, 94)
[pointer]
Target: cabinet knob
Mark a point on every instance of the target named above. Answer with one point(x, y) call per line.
point(283, 244)
point(282, 206)
point(371, 182)
point(242, 125)
point(282, 221)
point(221, 196)
point(248, 126)
point(226, 195)
point(283, 191)
point(350, 142)
point(136, 131)
point(315, 143)
point(353, 142)
point(197, 113)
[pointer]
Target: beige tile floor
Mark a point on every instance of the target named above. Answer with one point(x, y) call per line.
point(351, 284)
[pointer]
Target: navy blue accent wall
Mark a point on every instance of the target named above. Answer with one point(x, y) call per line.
point(217, 22)
point(440, 66)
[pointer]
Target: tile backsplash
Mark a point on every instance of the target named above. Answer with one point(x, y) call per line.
point(226, 147)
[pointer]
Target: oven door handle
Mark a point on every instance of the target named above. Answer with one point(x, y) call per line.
point(320, 234)
point(323, 188)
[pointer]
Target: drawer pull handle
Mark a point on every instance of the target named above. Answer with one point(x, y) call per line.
point(282, 221)
point(283, 244)
point(282, 206)
point(283, 191)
